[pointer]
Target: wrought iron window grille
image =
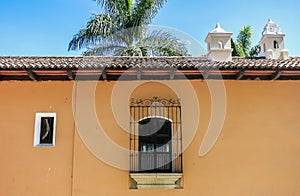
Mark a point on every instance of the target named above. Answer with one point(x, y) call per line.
point(155, 136)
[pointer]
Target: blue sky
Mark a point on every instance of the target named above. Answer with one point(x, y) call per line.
point(45, 28)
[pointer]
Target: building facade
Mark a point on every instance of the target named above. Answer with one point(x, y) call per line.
point(150, 126)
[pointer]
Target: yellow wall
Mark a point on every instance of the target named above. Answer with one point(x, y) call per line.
point(257, 152)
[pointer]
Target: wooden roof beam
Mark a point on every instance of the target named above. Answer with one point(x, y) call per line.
point(104, 74)
point(172, 74)
point(205, 74)
point(276, 74)
point(138, 74)
point(70, 74)
point(240, 74)
point(32, 75)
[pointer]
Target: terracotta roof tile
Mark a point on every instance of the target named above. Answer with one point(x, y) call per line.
point(8, 62)
point(66, 68)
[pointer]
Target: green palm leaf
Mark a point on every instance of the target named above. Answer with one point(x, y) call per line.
point(122, 30)
point(98, 28)
point(145, 11)
point(164, 44)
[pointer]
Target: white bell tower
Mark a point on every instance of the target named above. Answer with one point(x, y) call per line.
point(219, 44)
point(272, 42)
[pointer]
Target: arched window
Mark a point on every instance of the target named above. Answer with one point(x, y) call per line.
point(155, 145)
point(265, 48)
point(155, 136)
point(221, 46)
point(276, 44)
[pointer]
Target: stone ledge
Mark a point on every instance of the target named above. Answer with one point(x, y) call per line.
point(156, 180)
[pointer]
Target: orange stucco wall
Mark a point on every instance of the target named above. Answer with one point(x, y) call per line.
point(26, 170)
point(257, 152)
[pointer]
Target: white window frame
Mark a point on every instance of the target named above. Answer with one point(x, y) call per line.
point(37, 129)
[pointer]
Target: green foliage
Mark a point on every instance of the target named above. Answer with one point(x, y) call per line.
point(122, 30)
point(244, 40)
point(155, 43)
point(242, 46)
point(237, 49)
point(254, 52)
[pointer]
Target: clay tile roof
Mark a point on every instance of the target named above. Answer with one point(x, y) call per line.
point(40, 67)
point(8, 62)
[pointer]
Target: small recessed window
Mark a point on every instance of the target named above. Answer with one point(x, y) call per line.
point(221, 46)
point(276, 45)
point(44, 132)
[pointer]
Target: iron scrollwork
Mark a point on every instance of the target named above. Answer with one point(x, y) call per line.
point(154, 100)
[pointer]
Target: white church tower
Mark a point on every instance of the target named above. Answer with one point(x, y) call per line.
point(272, 42)
point(219, 44)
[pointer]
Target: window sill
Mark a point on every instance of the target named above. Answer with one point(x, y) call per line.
point(44, 145)
point(156, 180)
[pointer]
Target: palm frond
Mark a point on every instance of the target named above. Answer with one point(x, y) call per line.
point(109, 46)
point(109, 6)
point(136, 50)
point(163, 43)
point(111, 50)
point(97, 28)
point(121, 10)
point(145, 10)
point(122, 30)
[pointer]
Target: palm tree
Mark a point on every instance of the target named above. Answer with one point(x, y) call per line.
point(122, 30)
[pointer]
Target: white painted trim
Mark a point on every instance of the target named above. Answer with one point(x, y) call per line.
point(156, 117)
point(37, 129)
